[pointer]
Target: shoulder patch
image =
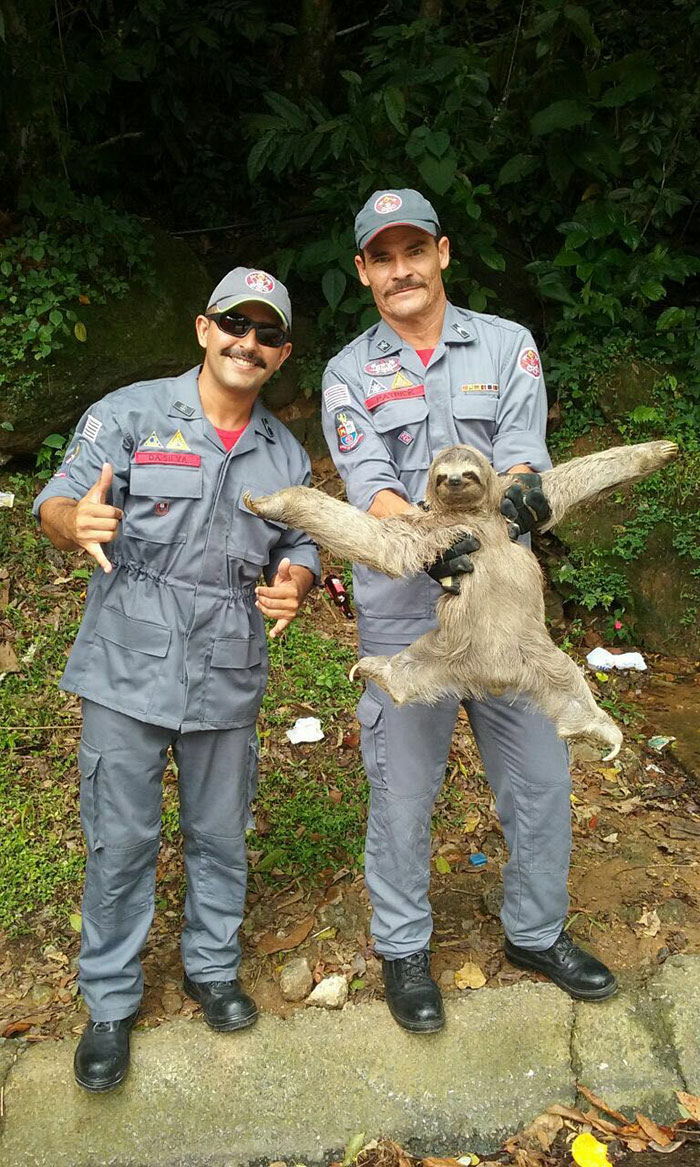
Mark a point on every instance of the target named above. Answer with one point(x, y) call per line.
point(91, 428)
point(529, 361)
point(349, 436)
point(334, 396)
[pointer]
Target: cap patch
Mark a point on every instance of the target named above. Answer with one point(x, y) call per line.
point(348, 434)
point(387, 203)
point(260, 281)
point(335, 396)
point(529, 361)
point(383, 366)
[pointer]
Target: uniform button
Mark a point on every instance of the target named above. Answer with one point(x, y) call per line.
point(162, 508)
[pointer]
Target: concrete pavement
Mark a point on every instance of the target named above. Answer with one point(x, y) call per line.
point(299, 1089)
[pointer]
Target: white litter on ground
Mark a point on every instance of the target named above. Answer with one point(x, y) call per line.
point(305, 729)
point(600, 658)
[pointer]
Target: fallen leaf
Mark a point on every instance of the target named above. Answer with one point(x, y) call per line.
point(76, 921)
point(335, 795)
point(8, 658)
point(634, 1144)
point(471, 822)
point(542, 1131)
point(469, 976)
point(16, 1027)
point(587, 1151)
point(627, 805)
point(650, 923)
point(668, 1149)
point(271, 942)
point(653, 1131)
point(353, 1148)
point(691, 1103)
point(600, 1105)
point(442, 865)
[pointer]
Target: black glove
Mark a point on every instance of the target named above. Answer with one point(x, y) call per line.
point(524, 504)
point(455, 561)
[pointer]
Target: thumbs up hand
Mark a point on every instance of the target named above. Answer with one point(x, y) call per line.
point(281, 600)
point(93, 522)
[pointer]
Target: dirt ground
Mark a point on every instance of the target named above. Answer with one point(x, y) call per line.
point(635, 881)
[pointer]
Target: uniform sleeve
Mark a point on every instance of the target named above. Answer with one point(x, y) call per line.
point(362, 459)
point(521, 419)
point(295, 545)
point(98, 438)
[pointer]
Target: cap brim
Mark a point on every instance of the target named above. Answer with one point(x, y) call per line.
point(224, 304)
point(398, 223)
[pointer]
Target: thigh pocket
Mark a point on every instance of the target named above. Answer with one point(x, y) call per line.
point(370, 714)
point(89, 764)
point(120, 883)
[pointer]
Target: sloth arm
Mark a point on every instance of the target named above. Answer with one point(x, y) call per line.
point(397, 546)
point(584, 479)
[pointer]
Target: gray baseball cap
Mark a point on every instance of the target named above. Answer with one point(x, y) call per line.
point(394, 208)
point(246, 284)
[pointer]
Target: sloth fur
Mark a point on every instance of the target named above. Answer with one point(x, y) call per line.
point(491, 636)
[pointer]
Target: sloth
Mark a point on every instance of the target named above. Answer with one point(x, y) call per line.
point(491, 636)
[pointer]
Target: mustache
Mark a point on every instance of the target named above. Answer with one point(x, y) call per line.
point(405, 285)
point(235, 351)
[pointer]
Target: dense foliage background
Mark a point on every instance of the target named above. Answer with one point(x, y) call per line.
point(558, 141)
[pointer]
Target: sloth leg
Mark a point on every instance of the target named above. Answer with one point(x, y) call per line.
point(417, 673)
point(558, 687)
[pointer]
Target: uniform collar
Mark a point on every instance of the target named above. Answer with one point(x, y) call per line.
point(455, 330)
point(185, 404)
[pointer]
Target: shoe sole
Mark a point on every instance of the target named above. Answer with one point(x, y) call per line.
point(418, 1026)
point(577, 994)
point(92, 1088)
point(226, 1026)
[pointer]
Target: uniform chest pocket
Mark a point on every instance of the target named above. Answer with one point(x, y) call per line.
point(250, 538)
point(402, 425)
point(476, 405)
point(160, 501)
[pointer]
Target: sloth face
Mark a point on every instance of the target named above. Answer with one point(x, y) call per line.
point(456, 483)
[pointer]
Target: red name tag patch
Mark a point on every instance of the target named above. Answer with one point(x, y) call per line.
point(166, 458)
point(394, 395)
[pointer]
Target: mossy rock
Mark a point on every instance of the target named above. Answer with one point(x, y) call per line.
point(628, 384)
point(149, 333)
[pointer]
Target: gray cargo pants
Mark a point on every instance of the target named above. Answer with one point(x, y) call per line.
point(405, 752)
point(121, 764)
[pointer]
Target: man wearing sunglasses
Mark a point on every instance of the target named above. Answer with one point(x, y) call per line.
point(171, 650)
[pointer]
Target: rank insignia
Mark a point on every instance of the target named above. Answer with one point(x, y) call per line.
point(91, 428)
point(348, 434)
point(463, 332)
point(177, 442)
point(268, 428)
point(529, 361)
point(383, 346)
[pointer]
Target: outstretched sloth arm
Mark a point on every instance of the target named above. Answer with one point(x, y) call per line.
point(396, 546)
point(584, 479)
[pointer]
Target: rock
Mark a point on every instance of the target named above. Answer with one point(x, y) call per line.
point(41, 994)
point(447, 979)
point(149, 333)
point(172, 1001)
point(330, 993)
point(492, 899)
point(296, 979)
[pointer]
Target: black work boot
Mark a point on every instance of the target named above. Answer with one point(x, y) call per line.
point(224, 1004)
point(102, 1057)
point(573, 969)
point(411, 993)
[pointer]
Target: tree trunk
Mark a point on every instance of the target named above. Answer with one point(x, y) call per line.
point(312, 49)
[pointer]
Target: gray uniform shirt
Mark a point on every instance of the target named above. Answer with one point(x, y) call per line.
point(386, 416)
point(172, 635)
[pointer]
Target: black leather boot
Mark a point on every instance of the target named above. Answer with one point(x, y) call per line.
point(411, 993)
point(102, 1057)
point(224, 1004)
point(571, 968)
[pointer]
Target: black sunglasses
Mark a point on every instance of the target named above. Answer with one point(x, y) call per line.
point(269, 335)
